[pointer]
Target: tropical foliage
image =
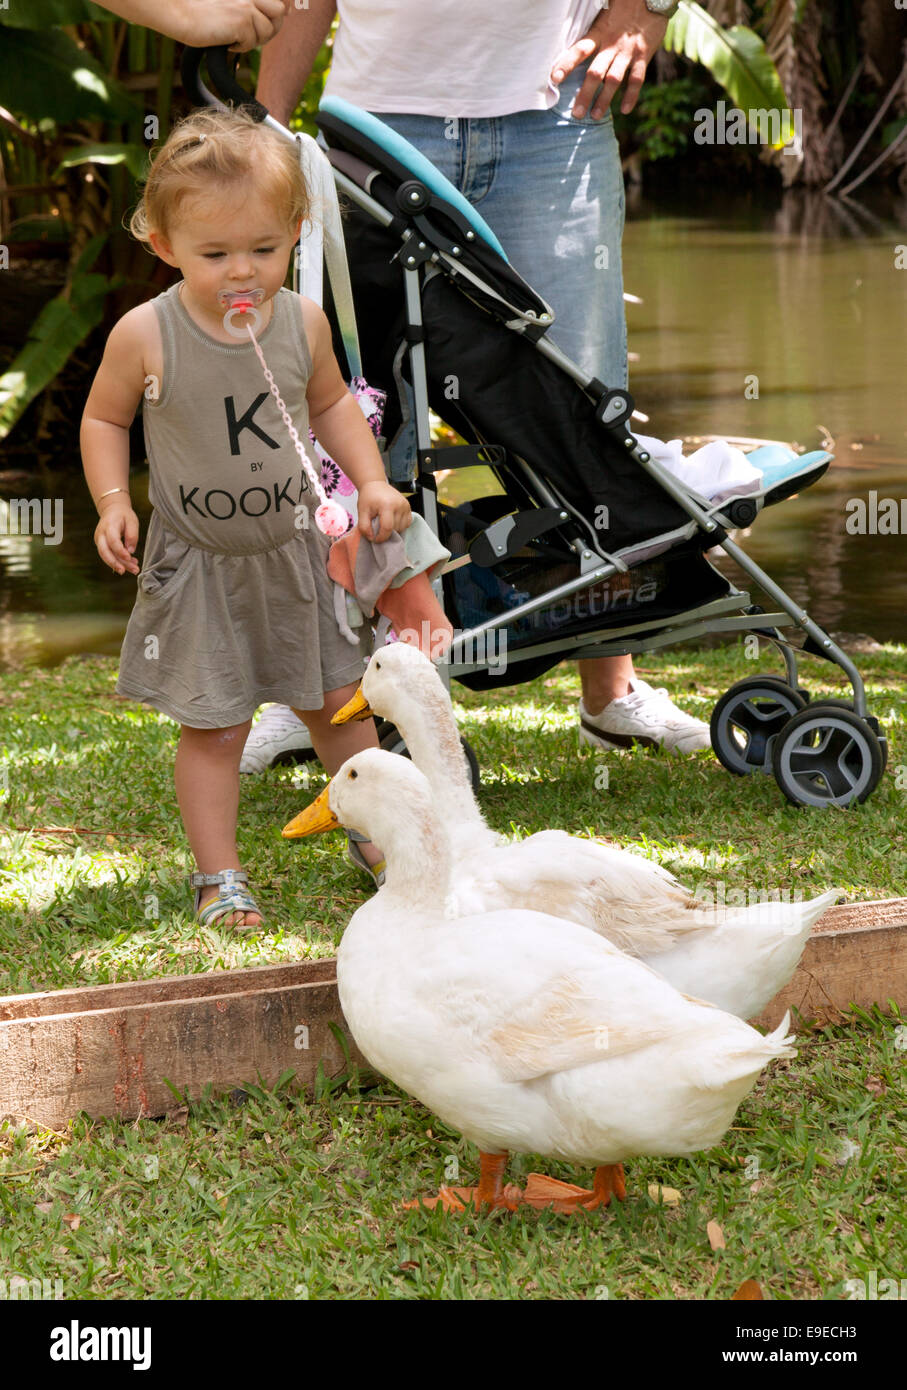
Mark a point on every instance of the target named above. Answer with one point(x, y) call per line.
point(84, 97)
point(840, 65)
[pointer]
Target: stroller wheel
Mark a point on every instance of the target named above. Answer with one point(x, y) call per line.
point(873, 723)
point(748, 718)
point(391, 741)
point(827, 756)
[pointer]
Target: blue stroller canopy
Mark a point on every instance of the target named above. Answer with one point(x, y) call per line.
point(412, 159)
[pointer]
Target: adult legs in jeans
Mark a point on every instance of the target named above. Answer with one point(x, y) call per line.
point(551, 188)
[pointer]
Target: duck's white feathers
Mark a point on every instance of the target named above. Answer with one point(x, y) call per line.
point(742, 962)
point(738, 959)
point(531, 1033)
point(632, 902)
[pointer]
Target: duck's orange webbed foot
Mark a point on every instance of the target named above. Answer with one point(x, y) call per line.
point(542, 1191)
point(490, 1192)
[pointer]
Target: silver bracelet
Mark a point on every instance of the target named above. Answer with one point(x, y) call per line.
point(110, 492)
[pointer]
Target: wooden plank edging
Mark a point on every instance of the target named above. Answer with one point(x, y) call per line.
point(199, 985)
point(114, 1061)
point(857, 954)
point(106, 1049)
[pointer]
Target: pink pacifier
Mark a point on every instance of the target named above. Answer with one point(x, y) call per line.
point(331, 518)
point(245, 304)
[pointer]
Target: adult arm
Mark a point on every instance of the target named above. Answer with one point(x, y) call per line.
point(285, 66)
point(242, 24)
point(620, 43)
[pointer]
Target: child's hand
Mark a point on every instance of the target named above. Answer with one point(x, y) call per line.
point(116, 536)
point(388, 505)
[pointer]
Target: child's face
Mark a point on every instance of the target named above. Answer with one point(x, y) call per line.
point(230, 243)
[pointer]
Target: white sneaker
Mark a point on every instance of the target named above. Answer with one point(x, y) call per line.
point(277, 735)
point(644, 716)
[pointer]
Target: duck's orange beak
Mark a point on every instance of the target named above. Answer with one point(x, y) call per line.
point(355, 709)
point(314, 820)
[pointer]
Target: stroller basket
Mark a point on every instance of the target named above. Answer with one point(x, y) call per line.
point(572, 541)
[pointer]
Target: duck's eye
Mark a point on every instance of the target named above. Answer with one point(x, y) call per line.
point(353, 773)
point(377, 665)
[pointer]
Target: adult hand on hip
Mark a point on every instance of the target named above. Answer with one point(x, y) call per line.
point(620, 43)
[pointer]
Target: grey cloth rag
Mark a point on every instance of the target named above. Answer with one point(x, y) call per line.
point(396, 561)
point(423, 552)
point(388, 565)
point(342, 614)
point(376, 566)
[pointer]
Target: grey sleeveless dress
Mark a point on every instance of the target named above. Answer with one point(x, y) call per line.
point(234, 605)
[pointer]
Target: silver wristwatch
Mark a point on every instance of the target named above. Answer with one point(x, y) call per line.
point(666, 8)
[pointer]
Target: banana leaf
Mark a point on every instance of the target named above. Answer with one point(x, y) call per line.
point(46, 75)
point(736, 58)
point(63, 323)
point(135, 157)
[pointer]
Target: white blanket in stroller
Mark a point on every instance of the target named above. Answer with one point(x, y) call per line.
point(715, 470)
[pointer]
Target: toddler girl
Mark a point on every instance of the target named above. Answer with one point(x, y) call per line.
point(234, 604)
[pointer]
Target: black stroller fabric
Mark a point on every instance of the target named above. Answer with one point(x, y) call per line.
point(674, 582)
point(506, 392)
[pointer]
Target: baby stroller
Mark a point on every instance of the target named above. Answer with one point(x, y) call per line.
point(571, 540)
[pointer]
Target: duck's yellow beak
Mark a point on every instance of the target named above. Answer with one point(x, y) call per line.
point(313, 820)
point(357, 708)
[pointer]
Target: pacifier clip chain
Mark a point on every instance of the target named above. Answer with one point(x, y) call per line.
point(331, 518)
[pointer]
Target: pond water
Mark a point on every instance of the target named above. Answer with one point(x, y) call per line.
point(758, 322)
point(806, 298)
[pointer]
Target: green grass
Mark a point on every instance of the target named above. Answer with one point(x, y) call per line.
point(292, 1197)
point(284, 1197)
point(98, 891)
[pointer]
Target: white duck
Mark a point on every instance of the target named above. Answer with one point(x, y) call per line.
point(522, 1031)
point(738, 959)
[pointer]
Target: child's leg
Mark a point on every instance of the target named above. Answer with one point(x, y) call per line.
point(207, 788)
point(334, 743)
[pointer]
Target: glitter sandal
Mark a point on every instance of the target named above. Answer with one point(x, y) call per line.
point(231, 897)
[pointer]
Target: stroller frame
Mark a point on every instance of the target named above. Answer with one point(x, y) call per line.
point(850, 739)
point(594, 566)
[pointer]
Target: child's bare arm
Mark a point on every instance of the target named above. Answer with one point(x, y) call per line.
point(341, 429)
point(104, 438)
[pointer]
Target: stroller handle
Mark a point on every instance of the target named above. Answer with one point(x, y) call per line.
point(226, 87)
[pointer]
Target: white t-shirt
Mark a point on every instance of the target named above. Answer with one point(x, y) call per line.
point(453, 57)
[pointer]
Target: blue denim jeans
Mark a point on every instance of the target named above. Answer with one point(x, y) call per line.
point(552, 189)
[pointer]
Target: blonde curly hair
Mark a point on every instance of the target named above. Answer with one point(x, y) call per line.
point(210, 151)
